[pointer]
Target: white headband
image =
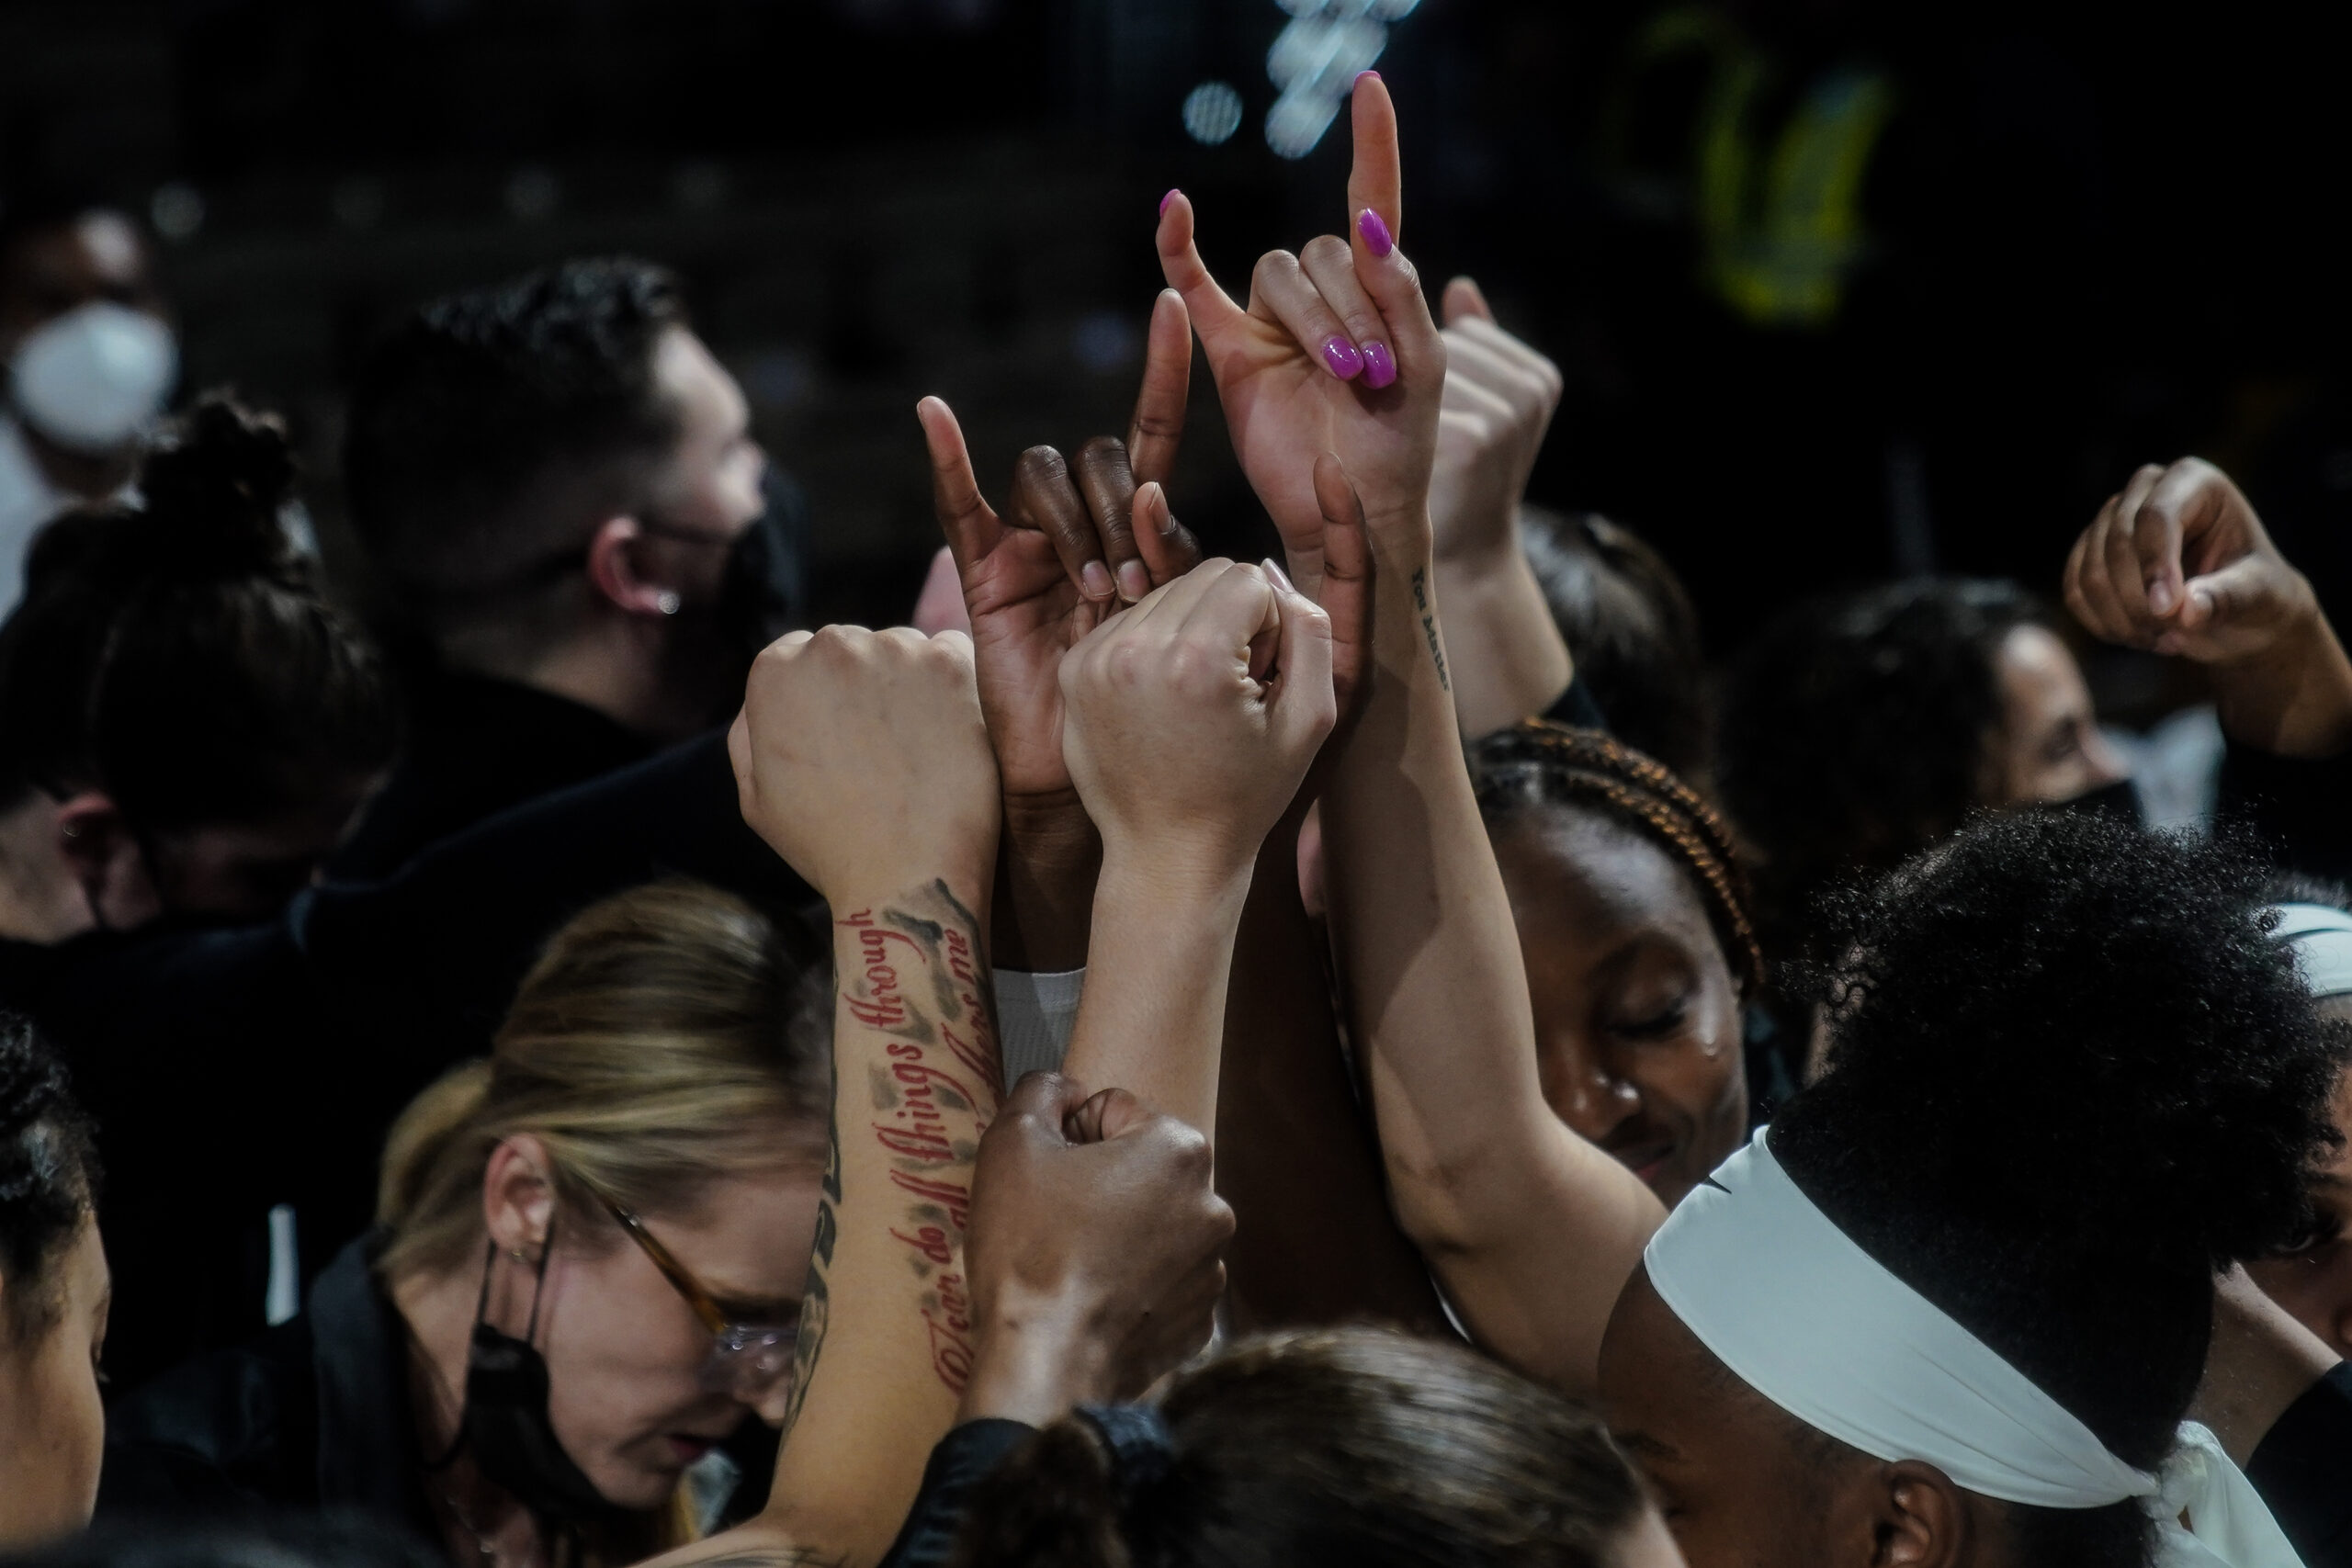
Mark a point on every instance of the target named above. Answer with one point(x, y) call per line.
point(1801, 1314)
point(2321, 939)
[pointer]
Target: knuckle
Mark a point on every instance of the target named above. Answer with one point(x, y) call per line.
point(1039, 466)
point(1102, 449)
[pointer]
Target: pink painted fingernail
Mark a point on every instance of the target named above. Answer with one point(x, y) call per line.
point(1379, 365)
point(1377, 237)
point(1276, 575)
point(1341, 356)
point(1135, 582)
point(1374, 74)
point(1093, 580)
point(1164, 201)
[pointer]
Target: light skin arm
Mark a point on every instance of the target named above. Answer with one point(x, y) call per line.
point(2177, 562)
point(1531, 1230)
point(1186, 758)
point(863, 761)
point(1506, 657)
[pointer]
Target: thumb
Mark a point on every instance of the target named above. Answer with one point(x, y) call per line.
point(1305, 709)
point(1466, 300)
point(967, 521)
point(1113, 1113)
point(1046, 1099)
point(2246, 592)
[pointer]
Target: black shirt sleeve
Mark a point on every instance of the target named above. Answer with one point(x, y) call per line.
point(2301, 807)
point(2304, 1470)
point(965, 1458)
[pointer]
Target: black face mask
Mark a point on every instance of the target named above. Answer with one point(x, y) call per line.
point(762, 589)
point(506, 1421)
point(2117, 802)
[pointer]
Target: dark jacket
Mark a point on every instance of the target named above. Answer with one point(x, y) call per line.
point(477, 746)
point(313, 1414)
point(231, 1070)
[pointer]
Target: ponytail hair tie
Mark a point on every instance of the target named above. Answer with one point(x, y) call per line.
point(1142, 1451)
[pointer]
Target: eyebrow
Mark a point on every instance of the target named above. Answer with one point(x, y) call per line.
point(1648, 1447)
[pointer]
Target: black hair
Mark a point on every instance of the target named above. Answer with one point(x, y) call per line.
point(1355, 1445)
point(1538, 763)
point(49, 1174)
point(2069, 1076)
point(1631, 627)
point(478, 396)
point(179, 654)
point(1855, 732)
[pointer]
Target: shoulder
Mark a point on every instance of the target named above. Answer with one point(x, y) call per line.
point(225, 1427)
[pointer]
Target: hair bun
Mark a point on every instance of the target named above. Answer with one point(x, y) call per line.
point(215, 486)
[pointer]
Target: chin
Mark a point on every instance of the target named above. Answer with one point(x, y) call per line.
point(636, 1487)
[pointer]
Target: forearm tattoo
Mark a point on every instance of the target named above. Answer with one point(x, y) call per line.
point(914, 973)
point(1429, 624)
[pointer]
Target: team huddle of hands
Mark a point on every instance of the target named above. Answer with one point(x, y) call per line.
point(1119, 691)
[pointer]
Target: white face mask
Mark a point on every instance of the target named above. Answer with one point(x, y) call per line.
point(90, 378)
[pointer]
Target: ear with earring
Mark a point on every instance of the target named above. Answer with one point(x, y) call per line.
point(668, 602)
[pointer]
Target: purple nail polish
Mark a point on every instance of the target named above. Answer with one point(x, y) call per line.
point(1379, 365)
point(1375, 235)
point(1164, 201)
point(1374, 74)
point(1341, 356)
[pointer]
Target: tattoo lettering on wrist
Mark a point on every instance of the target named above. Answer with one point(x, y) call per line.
point(919, 979)
point(1428, 624)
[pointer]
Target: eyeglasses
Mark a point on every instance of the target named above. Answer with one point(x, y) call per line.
point(747, 1360)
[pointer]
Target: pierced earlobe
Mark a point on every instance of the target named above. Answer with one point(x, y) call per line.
point(668, 602)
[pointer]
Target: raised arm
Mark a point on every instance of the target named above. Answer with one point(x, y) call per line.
point(1191, 721)
point(1074, 542)
point(2179, 563)
point(861, 759)
point(1530, 1229)
point(1508, 659)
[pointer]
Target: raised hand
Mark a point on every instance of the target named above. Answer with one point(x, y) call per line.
point(2179, 563)
point(860, 755)
point(1096, 1249)
point(1499, 397)
point(1335, 354)
point(1069, 547)
point(1184, 755)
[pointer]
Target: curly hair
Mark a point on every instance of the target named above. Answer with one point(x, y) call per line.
point(2069, 1076)
point(49, 1174)
point(1854, 729)
point(1354, 1445)
point(1538, 763)
point(478, 395)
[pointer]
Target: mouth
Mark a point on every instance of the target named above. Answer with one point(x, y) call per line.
point(1646, 1158)
point(687, 1448)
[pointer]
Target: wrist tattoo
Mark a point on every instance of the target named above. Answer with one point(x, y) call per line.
point(1428, 624)
point(916, 975)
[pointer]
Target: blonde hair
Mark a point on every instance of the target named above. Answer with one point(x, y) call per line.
point(662, 1040)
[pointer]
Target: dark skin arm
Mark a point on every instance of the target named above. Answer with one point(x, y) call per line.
point(1074, 542)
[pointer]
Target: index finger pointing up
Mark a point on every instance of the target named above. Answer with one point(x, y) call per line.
point(1376, 178)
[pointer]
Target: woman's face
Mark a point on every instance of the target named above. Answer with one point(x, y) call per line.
point(1637, 1020)
point(625, 1353)
point(2050, 747)
point(55, 1426)
point(2314, 1282)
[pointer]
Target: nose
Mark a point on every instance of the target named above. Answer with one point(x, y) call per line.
point(1586, 1091)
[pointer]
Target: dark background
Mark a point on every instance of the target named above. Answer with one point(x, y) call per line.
point(2099, 234)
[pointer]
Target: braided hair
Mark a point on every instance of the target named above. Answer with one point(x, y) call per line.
point(49, 1174)
point(1538, 763)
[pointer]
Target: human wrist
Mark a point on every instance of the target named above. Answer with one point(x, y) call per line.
point(1038, 1357)
point(1046, 871)
point(1175, 872)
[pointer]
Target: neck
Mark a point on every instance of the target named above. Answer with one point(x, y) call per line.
point(41, 898)
point(613, 665)
point(481, 1522)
